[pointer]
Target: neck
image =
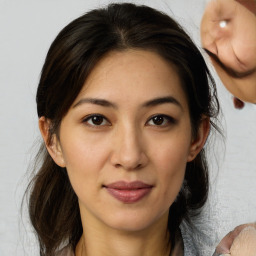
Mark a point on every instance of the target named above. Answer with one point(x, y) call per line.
point(99, 240)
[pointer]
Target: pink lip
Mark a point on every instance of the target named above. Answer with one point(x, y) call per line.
point(128, 192)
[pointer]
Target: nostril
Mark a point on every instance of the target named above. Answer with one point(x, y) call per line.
point(128, 167)
point(139, 166)
point(117, 165)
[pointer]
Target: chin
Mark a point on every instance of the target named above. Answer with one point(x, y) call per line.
point(136, 221)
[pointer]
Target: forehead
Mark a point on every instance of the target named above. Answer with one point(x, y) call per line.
point(137, 74)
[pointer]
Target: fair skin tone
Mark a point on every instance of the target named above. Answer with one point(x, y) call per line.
point(228, 32)
point(226, 243)
point(130, 122)
point(233, 44)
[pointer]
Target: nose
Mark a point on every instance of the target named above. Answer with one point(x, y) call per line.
point(128, 149)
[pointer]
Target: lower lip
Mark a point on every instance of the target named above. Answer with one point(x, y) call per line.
point(129, 196)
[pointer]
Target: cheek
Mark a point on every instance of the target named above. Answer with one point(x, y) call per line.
point(84, 161)
point(84, 151)
point(171, 164)
point(172, 175)
point(171, 153)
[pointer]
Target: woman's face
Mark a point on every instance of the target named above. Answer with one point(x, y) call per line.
point(126, 141)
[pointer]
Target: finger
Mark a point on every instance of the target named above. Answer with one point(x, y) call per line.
point(217, 254)
point(220, 254)
point(225, 245)
point(245, 242)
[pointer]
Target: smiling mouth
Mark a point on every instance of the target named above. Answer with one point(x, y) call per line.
point(128, 192)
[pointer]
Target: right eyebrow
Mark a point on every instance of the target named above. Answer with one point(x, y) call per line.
point(95, 101)
point(229, 71)
point(163, 100)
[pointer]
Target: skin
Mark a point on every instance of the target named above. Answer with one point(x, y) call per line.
point(232, 48)
point(126, 144)
point(224, 247)
point(245, 243)
point(249, 4)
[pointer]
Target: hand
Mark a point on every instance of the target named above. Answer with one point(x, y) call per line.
point(228, 33)
point(229, 246)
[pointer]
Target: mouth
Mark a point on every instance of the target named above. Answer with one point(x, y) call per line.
point(128, 192)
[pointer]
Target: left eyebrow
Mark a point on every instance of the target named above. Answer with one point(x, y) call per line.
point(162, 100)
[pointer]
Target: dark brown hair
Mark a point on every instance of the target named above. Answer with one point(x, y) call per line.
point(53, 205)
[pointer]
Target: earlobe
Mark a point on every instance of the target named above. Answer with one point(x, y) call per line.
point(198, 143)
point(51, 141)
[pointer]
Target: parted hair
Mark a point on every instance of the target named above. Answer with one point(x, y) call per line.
point(52, 202)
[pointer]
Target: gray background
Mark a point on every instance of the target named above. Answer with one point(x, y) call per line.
point(27, 27)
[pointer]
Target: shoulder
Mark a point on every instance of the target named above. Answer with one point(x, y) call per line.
point(198, 238)
point(66, 251)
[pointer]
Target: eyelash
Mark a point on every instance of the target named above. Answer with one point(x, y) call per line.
point(89, 118)
point(166, 120)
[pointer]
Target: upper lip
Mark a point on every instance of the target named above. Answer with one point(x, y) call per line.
point(123, 185)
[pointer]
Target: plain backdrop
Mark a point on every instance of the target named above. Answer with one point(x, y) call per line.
point(27, 27)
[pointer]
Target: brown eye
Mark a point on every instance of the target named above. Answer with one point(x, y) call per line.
point(96, 120)
point(160, 120)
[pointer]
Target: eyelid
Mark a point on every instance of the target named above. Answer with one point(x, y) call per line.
point(170, 120)
point(90, 116)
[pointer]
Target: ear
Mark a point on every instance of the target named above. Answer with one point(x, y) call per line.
point(51, 141)
point(199, 141)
